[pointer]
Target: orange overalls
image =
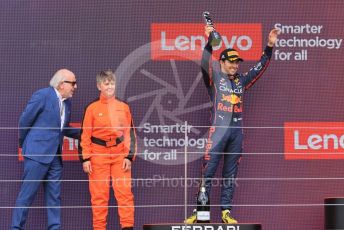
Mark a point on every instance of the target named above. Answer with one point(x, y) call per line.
point(107, 138)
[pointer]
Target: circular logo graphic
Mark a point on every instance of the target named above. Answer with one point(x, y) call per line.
point(169, 103)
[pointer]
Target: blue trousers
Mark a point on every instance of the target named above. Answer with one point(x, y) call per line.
point(51, 175)
point(223, 143)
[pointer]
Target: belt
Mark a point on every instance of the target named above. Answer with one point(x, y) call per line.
point(111, 143)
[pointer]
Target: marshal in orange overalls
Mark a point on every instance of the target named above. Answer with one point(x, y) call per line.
point(107, 138)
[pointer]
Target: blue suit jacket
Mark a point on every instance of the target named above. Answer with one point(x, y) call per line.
point(40, 133)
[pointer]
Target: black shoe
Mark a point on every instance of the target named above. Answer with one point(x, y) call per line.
point(128, 228)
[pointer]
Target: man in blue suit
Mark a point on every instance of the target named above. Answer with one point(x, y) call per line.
point(42, 126)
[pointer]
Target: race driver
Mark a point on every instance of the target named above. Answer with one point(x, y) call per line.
point(108, 145)
point(226, 87)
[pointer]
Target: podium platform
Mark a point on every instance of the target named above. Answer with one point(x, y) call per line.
point(334, 213)
point(210, 226)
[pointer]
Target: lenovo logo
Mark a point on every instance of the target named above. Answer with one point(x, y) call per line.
point(314, 140)
point(185, 41)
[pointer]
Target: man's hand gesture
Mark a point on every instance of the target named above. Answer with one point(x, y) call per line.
point(207, 30)
point(273, 37)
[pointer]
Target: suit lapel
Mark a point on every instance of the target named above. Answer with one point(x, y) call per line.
point(67, 111)
point(56, 106)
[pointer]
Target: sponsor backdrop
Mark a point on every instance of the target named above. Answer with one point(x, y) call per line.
point(293, 116)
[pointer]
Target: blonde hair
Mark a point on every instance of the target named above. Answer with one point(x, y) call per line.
point(106, 75)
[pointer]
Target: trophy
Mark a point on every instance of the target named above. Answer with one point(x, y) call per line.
point(214, 37)
point(203, 204)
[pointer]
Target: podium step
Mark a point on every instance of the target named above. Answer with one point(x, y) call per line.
point(211, 226)
point(334, 212)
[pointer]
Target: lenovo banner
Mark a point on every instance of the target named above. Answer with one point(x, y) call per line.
point(314, 140)
point(185, 41)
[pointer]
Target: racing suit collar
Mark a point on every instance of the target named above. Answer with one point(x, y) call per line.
point(230, 77)
point(106, 100)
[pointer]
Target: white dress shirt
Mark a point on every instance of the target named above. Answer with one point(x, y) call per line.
point(62, 107)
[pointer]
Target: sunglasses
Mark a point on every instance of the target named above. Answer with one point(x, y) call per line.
point(73, 83)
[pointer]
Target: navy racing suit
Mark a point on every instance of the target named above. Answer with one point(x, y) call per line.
point(225, 136)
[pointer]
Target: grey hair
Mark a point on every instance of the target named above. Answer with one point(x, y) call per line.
point(105, 75)
point(57, 79)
